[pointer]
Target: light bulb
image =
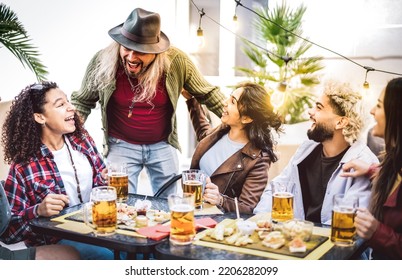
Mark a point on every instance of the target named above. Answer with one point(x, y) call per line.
point(200, 38)
point(282, 86)
point(235, 24)
point(366, 85)
point(277, 98)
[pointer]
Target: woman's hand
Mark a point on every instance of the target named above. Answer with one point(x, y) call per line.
point(104, 174)
point(365, 223)
point(211, 193)
point(52, 204)
point(186, 94)
point(355, 168)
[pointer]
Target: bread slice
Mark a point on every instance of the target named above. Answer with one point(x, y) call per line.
point(297, 245)
point(274, 240)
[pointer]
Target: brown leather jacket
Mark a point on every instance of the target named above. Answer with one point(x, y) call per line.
point(243, 175)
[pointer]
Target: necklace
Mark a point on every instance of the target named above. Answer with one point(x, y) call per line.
point(75, 173)
point(136, 90)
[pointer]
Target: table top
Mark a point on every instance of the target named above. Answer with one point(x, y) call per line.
point(168, 251)
point(117, 241)
point(162, 249)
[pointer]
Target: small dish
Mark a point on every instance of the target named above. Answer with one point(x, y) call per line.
point(298, 228)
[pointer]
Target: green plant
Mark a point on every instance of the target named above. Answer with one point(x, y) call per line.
point(14, 37)
point(283, 66)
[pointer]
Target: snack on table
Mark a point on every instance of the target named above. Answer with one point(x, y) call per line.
point(297, 245)
point(220, 232)
point(158, 216)
point(298, 228)
point(246, 227)
point(274, 240)
point(264, 225)
point(142, 206)
point(125, 214)
point(141, 221)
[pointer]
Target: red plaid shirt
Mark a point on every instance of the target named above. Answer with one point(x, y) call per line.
point(28, 184)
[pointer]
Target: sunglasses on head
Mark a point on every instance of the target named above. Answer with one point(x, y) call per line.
point(36, 87)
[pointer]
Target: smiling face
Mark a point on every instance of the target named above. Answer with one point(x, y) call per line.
point(231, 115)
point(134, 62)
point(58, 114)
point(379, 116)
point(324, 120)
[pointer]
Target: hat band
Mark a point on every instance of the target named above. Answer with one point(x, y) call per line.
point(137, 39)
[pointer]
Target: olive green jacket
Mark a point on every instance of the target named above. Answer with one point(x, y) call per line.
point(181, 73)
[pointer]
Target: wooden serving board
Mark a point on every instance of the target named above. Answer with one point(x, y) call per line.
point(314, 243)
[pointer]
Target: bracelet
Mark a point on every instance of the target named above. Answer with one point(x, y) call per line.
point(220, 201)
point(372, 170)
point(36, 211)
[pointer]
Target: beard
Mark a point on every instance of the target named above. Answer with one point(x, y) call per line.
point(132, 74)
point(320, 133)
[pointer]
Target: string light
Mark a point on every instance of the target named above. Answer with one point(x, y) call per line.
point(238, 3)
point(366, 84)
point(200, 32)
point(279, 94)
point(235, 19)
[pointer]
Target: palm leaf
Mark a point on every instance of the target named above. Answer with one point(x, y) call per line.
point(281, 28)
point(14, 37)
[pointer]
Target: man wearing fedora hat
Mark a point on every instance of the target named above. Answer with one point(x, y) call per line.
point(137, 80)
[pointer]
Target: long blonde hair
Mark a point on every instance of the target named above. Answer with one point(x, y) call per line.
point(107, 63)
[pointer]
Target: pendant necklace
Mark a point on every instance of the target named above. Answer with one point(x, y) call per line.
point(136, 90)
point(75, 173)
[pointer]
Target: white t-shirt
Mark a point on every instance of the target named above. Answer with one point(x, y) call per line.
point(84, 172)
point(219, 153)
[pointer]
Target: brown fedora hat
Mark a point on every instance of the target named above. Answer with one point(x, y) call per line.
point(141, 32)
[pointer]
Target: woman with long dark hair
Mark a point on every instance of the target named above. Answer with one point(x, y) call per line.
point(237, 154)
point(381, 225)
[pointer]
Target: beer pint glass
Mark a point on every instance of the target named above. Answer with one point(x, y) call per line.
point(343, 231)
point(118, 178)
point(182, 222)
point(193, 181)
point(103, 208)
point(282, 202)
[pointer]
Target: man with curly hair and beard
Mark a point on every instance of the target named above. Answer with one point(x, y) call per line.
point(314, 170)
point(54, 163)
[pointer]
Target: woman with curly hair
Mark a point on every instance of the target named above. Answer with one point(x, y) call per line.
point(45, 142)
point(381, 223)
point(237, 154)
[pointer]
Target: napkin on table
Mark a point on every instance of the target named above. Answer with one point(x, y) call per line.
point(159, 232)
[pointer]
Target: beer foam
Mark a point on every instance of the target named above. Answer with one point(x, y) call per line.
point(182, 208)
point(344, 209)
point(283, 194)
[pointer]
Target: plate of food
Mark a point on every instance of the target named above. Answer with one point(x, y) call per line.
point(261, 235)
point(139, 215)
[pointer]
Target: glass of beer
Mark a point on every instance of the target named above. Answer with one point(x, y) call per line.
point(118, 178)
point(343, 230)
point(282, 202)
point(103, 208)
point(193, 181)
point(182, 221)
